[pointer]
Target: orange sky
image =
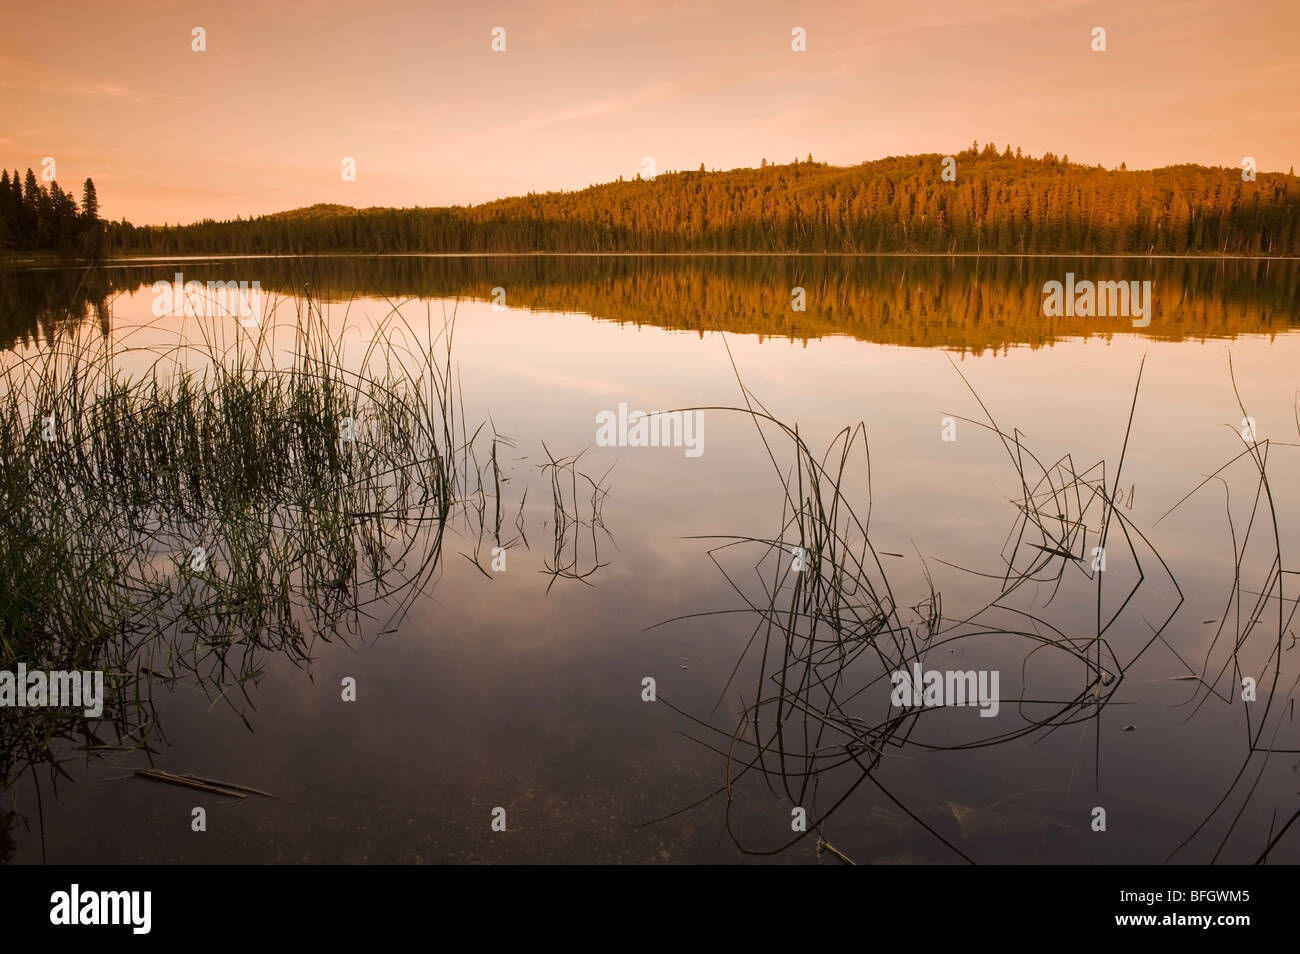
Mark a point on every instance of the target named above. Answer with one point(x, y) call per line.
point(587, 88)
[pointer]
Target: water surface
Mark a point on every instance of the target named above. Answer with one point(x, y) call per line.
point(523, 689)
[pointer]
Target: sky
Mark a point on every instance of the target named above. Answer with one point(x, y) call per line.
point(585, 90)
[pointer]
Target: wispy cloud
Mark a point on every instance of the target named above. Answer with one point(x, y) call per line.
point(591, 109)
point(370, 125)
point(564, 17)
point(15, 74)
point(928, 15)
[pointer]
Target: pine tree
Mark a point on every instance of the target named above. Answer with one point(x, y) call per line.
point(8, 214)
point(45, 228)
point(30, 209)
point(16, 207)
point(90, 229)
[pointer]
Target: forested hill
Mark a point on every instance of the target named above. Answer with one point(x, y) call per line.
point(999, 202)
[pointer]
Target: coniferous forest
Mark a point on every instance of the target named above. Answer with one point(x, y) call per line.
point(36, 217)
point(998, 202)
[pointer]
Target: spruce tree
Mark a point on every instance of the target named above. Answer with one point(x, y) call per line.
point(90, 228)
point(30, 210)
point(6, 211)
point(45, 225)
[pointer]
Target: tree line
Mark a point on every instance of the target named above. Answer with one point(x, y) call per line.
point(37, 217)
point(1001, 202)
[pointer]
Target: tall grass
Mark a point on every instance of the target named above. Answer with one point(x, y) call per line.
point(181, 522)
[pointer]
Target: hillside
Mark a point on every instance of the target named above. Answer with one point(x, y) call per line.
point(1000, 202)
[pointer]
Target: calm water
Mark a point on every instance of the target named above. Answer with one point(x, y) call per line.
point(521, 690)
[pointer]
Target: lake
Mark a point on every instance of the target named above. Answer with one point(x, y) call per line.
point(684, 652)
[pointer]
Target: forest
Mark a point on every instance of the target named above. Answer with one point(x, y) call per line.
point(997, 202)
point(36, 217)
